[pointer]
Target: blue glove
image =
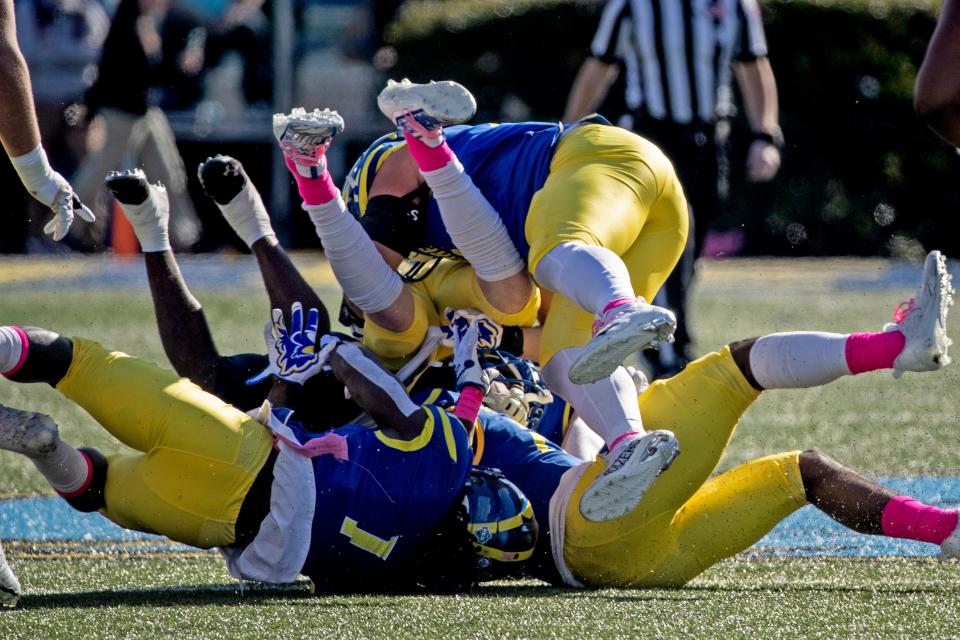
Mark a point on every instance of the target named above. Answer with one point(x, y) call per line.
point(489, 333)
point(293, 353)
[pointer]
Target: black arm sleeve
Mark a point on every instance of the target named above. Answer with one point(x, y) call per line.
point(394, 222)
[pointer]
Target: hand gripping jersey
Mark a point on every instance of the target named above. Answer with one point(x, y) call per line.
point(507, 162)
point(374, 508)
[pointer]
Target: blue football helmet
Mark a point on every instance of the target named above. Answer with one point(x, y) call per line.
point(501, 523)
point(364, 170)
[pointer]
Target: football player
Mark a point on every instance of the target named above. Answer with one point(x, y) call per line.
point(688, 521)
point(558, 197)
point(397, 315)
point(351, 508)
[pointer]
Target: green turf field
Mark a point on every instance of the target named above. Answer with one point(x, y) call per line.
point(886, 427)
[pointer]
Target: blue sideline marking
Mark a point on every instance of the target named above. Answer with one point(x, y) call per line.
point(807, 533)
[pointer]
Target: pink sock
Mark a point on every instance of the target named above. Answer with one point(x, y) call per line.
point(616, 302)
point(621, 438)
point(314, 191)
point(429, 158)
point(872, 351)
point(904, 517)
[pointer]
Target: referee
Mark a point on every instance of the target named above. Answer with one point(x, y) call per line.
point(675, 59)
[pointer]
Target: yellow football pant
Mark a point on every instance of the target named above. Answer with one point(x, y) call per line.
point(612, 188)
point(453, 283)
point(686, 522)
point(198, 456)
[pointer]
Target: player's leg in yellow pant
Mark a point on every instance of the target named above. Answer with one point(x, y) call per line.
point(452, 284)
point(199, 454)
point(611, 188)
point(727, 515)
point(702, 406)
point(394, 348)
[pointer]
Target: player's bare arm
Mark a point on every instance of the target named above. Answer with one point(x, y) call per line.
point(181, 321)
point(759, 89)
point(937, 95)
point(20, 134)
point(227, 184)
point(590, 87)
point(18, 120)
point(377, 392)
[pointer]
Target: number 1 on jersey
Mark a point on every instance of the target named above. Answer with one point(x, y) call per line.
point(366, 540)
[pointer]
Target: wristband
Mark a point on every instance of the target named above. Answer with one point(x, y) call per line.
point(469, 403)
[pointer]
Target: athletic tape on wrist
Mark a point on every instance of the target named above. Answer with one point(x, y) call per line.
point(37, 175)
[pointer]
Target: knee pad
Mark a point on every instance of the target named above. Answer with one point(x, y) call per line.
point(92, 498)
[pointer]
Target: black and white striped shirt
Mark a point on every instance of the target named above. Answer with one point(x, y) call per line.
point(676, 54)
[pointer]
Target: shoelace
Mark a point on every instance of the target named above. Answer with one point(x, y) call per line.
point(902, 311)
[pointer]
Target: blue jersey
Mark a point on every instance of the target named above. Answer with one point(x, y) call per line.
point(508, 163)
point(526, 458)
point(551, 419)
point(376, 508)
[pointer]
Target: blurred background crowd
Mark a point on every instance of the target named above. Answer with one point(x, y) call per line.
point(162, 84)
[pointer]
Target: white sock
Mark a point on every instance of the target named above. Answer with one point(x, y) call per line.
point(12, 341)
point(799, 359)
point(473, 224)
point(608, 406)
point(589, 275)
point(362, 272)
point(8, 579)
point(65, 468)
point(247, 214)
point(581, 441)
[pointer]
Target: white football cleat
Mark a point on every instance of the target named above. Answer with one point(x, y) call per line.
point(950, 548)
point(632, 469)
point(621, 331)
point(305, 136)
point(32, 434)
point(9, 585)
point(923, 320)
point(424, 109)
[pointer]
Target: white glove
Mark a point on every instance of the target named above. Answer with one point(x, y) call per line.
point(489, 332)
point(466, 364)
point(295, 355)
point(53, 190)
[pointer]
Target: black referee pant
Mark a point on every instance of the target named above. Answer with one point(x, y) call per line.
point(697, 158)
